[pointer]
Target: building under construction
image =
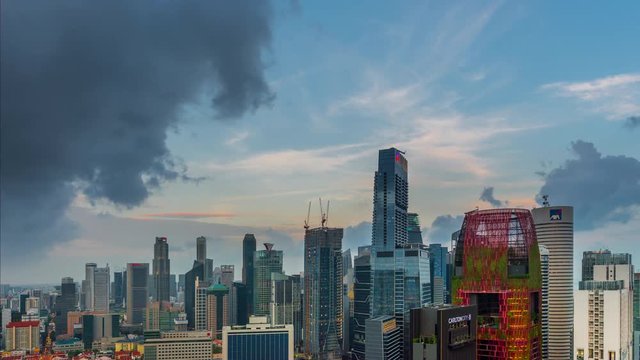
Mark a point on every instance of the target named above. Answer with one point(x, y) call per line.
point(497, 268)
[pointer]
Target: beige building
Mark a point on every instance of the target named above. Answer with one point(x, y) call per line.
point(23, 335)
point(186, 345)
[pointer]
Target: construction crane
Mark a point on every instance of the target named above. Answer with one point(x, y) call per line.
point(324, 217)
point(306, 222)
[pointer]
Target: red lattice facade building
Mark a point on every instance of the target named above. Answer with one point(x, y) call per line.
point(497, 268)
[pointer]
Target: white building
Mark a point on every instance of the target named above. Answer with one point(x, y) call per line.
point(554, 230)
point(603, 314)
point(185, 345)
point(544, 319)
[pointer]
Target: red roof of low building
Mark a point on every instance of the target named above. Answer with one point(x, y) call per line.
point(17, 324)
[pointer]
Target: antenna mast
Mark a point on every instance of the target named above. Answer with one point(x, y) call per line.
point(545, 200)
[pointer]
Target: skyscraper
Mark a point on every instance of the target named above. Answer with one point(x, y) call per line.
point(137, 275)
point(65, 302)
point(161, 269)
point(497, 268)
point(414, 232)
point(362, 302)
point(88, 286)
point(217, 309)
point(102, 287)
point(554, 230)
point(201, 249)
point(323, 292)
point(544, 272)
point(384, 338)
point(197, 272)
point(118, 288)
point(438, 270)
point(265, 262)
point(603, 309)
point(390, 201)
point(601, 257)
point(248, 250)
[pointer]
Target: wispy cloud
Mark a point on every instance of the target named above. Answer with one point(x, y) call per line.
point(319, 160)
point(616, 96)
point(237, 138)
point(187, 215)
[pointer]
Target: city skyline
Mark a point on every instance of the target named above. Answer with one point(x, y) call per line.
point(477, 115)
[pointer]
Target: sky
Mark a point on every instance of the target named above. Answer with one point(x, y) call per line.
point(124, 121)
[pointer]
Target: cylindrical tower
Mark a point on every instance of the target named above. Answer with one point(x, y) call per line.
point(497, 268)
point(554, 230)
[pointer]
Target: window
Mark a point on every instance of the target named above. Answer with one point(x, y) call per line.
point(612, 355)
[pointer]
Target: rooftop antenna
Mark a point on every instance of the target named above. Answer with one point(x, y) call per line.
point(545, 200)
point(306, 222)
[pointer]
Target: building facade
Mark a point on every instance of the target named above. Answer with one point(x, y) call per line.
point(604, 311)
point(286, 303)
point(438, 266)
point(118, 288)
point(497, 268)
point(161, 270)
point(98, 326)
point(414, 232)
point(544, 273)
point(444, 332)
point(137, 275)
point(248, 252)
point(384, 338)
point(88, 286)
point(323, 293)
point(217, 309)
point(265, 262)
point(22, 336)
point(186, 345)
point(362, 300)
point(197, 272)
point(65, 302)
point(101, 289)
point(258, 340)
point(554, 230)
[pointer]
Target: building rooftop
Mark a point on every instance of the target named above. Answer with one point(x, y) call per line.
point(17, 324)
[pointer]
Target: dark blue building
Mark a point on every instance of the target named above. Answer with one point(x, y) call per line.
point(258, 341)
point(438, 268)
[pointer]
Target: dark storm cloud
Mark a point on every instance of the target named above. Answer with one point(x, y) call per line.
point(442, 228)
point(601, 188)
point(90, 88)
point(632, 122)
point(487, 196)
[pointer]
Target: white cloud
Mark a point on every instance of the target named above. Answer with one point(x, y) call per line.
point(237, 138)
point(617, 96)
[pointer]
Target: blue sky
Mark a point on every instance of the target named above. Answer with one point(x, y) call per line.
point(479, 93)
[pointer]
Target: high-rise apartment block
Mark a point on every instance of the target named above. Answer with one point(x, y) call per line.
point(161, 269)
point(137, 276)
point(22, 336)
point(186, 345)
point(554, 230)
point(603, 315)
point(265, 263)
point(497, 268)
point(323, 292)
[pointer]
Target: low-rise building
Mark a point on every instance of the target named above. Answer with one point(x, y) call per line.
point(186, 345)
point(257, 338)
point(443, 332)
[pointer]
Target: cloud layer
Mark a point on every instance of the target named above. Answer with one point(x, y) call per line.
point(487, 196)
point(601, 188)
point(89, 90)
